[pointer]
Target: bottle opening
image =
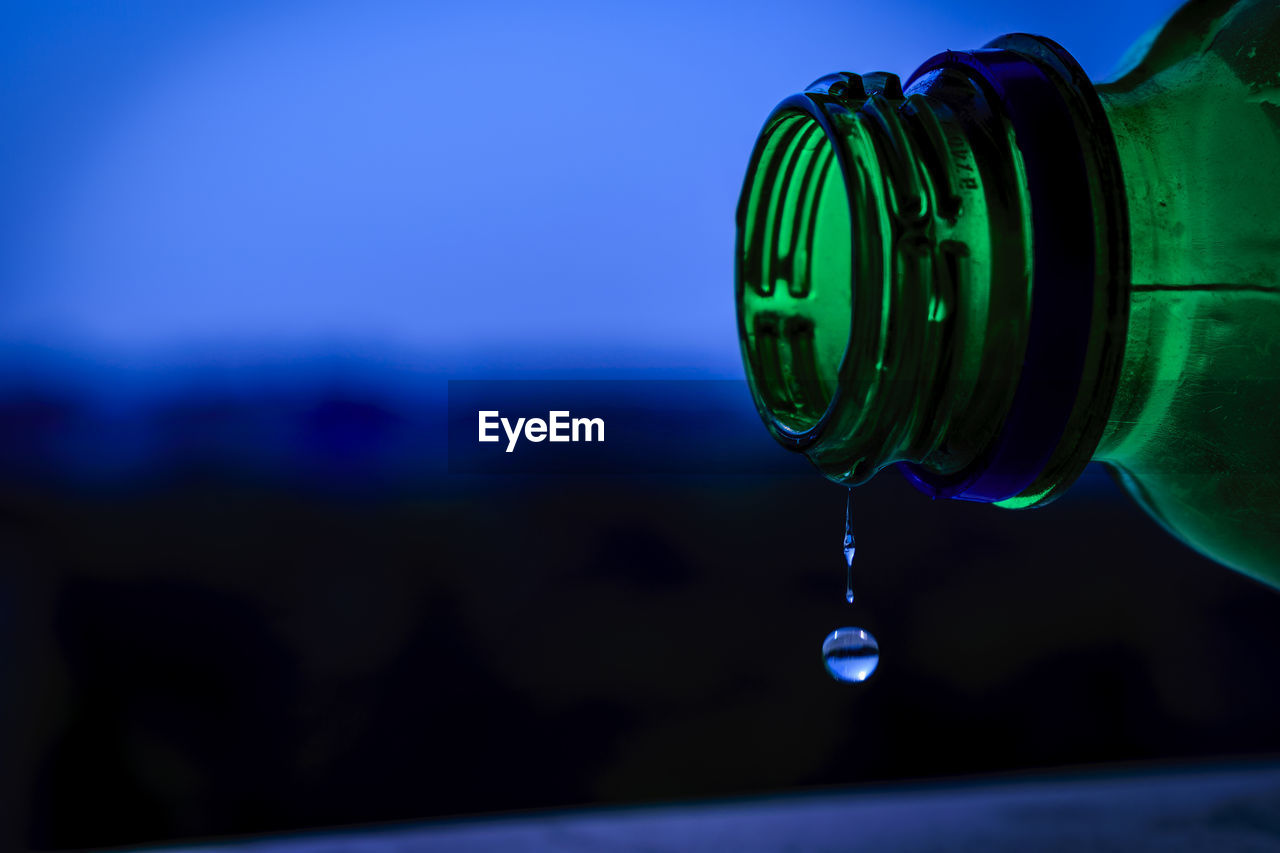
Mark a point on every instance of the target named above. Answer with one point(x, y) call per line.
point(988, 248)
point(795, 257)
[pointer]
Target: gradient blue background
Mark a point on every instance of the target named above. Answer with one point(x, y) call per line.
point(484, 188)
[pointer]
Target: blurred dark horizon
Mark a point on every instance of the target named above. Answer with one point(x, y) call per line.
point(204, 657)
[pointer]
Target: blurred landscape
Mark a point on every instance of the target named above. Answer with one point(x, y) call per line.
point(213, 650)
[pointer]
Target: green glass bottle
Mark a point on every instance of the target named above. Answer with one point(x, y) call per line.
point(1004, 271)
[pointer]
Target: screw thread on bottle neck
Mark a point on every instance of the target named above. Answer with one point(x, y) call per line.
point(875, 360)
point(896, 277)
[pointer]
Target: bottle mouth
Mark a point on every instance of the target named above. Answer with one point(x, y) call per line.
point(795, 316)
point(817, 234)
point(919, 278)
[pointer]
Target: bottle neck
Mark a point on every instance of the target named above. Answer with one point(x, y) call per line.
point(935, 277)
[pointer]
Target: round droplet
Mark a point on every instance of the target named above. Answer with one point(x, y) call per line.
point(850, 654)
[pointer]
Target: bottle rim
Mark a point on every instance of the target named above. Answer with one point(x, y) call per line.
point(1034, 82)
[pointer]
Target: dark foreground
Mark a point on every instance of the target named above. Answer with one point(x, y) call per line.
point(1218, 809)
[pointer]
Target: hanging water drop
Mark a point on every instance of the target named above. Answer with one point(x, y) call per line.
point(850, 654)
point(849, 548)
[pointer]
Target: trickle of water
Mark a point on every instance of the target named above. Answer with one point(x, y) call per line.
point(850, 654)
point(850, 548)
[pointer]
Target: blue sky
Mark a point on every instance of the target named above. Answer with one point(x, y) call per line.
point(462, 187)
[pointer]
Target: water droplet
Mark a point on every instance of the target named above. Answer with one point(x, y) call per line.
point(850, 654)
point(850, 548)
